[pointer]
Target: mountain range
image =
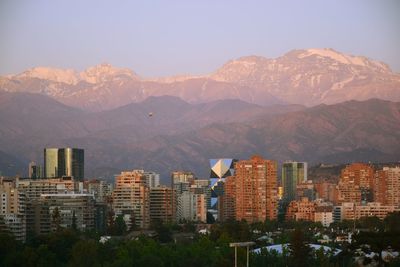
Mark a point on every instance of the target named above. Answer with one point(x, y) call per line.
point(315, 105)
point(307, 77)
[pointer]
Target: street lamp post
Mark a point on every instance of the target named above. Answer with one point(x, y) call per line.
point(242, 244)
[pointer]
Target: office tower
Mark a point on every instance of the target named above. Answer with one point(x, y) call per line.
point(131, 199)
point(386, 186)
point(35, 171)
point(293, 173)
point(59, 162)
point(355, 183)
point(219, 169)
point(256, 189)
point(51, 162)
point(12, 209)
point(161, 205)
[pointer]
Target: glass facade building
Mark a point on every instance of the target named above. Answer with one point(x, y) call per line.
point(60, 162)
point(293, 173)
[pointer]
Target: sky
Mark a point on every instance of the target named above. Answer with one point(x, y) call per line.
point(162, 38)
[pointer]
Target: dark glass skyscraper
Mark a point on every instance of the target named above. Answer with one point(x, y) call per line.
point(60, 162)
point(293, 173)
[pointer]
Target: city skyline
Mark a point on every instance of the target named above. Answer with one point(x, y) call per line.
point(183, 133)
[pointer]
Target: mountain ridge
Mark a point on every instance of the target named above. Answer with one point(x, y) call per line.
point(307, 77)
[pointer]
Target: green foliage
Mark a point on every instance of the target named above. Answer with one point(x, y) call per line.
point(119, 227)
point(72, 248)
point(391, 222)
point(56, 220)
point(371, 223)
point(85, 253)
point(163, 231)
point(299, 250)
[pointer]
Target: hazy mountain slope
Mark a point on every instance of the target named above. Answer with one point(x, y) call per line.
point(339, 133)
point(180, 135)
point(31, 122)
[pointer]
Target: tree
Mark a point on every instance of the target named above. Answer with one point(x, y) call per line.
point(133, 221)
point(74, 226)
point(85, 253)
point(120, 225)
point(299, 249)
point(371, 223)
point(45, 257)
point(56, 220)
point(210, 218)
point(392, 222)
point(163, 231)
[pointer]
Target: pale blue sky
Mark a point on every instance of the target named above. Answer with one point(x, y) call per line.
point(159, 38)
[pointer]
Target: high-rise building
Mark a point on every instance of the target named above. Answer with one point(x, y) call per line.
point(71, 210)
point(227, 201)
point(182, 177)
point(293, 173)
point(59, 162)
point(161, 204)
point(12, 209)
point(152, 178)
point(386, 186)
point(131, 199)
point(355, 183)
point(100, 189)
point(33, 188)
point(191, 196)
point(35, 171)
point(191, 207)
point(326, 191)
point(256, 189)
point(306, 189)
point(51, 165)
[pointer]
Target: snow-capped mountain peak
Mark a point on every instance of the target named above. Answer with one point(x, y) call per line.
point(106, 72)
point(67, 76)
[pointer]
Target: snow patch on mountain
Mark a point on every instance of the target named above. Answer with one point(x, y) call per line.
point(93, 75)
point(343, 58)
point(67, 76)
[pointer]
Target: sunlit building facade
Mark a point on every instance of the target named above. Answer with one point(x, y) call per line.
point(256, 189)
point(131, 199)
